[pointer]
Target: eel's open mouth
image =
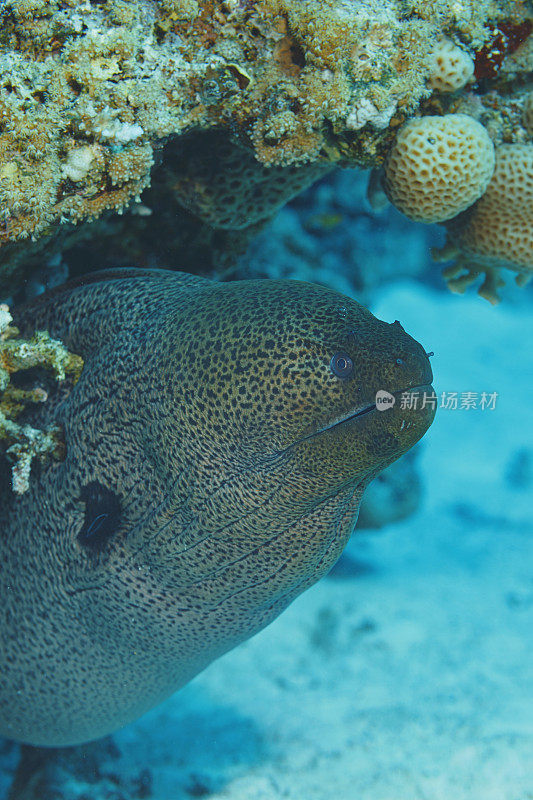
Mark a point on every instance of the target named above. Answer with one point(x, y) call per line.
point(423, 389)
point(360, 413)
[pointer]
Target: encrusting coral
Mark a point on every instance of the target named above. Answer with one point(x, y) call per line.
point(25, 442)
point(92, 91)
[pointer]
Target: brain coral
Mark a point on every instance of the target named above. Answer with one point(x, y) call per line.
point(438, 166)
point(498, 231)
point(451, 68)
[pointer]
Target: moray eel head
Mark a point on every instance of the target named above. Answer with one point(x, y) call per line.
point(296, 378)
point(277, 400)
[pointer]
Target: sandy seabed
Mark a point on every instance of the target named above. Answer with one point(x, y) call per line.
point(407, 673)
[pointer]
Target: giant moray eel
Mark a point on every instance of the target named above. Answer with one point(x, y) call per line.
point(218, 443)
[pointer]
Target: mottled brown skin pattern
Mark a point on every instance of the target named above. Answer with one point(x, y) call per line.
point(200, 410)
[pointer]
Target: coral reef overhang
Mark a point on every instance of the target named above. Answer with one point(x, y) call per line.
point(92, 93)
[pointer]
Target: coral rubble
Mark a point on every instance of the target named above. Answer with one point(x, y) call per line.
point(91, 91)
point(393, 495)
point(26, 442)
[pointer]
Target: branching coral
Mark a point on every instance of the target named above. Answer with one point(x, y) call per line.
point(25, 443)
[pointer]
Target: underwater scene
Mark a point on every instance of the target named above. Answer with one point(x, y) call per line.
point(266, 430)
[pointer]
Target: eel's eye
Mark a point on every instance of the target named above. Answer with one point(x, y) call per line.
point(341, 365)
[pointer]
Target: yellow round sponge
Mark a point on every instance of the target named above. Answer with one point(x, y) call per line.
point(438, 166)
